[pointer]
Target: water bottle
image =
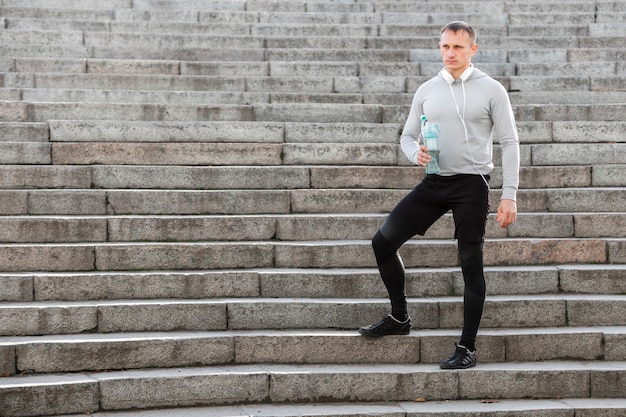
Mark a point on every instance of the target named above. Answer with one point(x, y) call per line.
point(430, 133)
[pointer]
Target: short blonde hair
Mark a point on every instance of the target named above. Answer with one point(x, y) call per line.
point(460, 25)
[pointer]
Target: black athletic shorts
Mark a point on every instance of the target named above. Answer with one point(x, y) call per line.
point(467, 195)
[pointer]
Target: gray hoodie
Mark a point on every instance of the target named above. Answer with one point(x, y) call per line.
point(484, 105)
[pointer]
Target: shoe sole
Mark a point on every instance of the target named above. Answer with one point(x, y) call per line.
point(365, 333)
point(457, 367)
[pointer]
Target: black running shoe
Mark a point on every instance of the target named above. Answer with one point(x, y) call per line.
point(386, 327)
point(462, 358)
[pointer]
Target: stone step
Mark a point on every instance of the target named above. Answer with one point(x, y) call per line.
point(546, 18)
point(163, 315)
point(461, 408)
point(38, 176)
point(234, 84)
point(138, 66)
point(315, 24)
point(570, 154)
point(550, 7)
point(305, 283)
point(62, 4)
point(590, 54)
point(25, 153)
point(65, 25)
point(47, 51)
point(24, 132)
point(567, 97)
point(308, 54)
point(530, 29)
point(153, 82)
point(108, 73)
point(272, 196)
point(301, 254)
point(605, 27)
point(565, 69)
point(289, 132)
point(131, 88)
point(489, 43)
point(105, 352)
point(485, 7)
point(383, 201)
point(293, 112)
point(16, 9)
point(205, 154)
point(394, 106)
point(177, 27)
point(245, 98)
point(612, 18)
point(556, 112)
point(265, 16)
point(268, 54)
point(326, 113)
point(275, 154)
point(611, 6)
point(181, 97)
point(199, 97)
point(82, 229)
point(36, 151)
point(185, 54)
point(297, 35)
point(346, 37)
point(94, 202)
point(492, 31)
point(17, 38)
point(10, 94)
point(250, 384)
point(241, 132)
point(574, 83)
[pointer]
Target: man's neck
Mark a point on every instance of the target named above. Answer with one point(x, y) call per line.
point(457, 73)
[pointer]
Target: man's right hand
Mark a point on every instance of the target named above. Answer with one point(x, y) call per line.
point(422, 156)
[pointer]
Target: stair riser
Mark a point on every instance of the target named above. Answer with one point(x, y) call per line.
point(174, 97)
point(169, 154)
point(33, 401)
point(178, 351)
point(239, 255)
point(605, 157)
point(308, 113)
point(42, 358)
point(253, 387)
point(355, 284)
point(254, 315)
point(25, 153)
point(332, 179)
point(249, 228)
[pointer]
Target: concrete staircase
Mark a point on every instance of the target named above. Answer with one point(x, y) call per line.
point(188, 189)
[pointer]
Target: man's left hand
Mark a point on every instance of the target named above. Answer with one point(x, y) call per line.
point(507, 213)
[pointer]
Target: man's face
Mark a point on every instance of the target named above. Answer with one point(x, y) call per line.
point(457, 51)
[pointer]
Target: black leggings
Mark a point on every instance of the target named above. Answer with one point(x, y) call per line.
point(392, 272)
point(467, 196)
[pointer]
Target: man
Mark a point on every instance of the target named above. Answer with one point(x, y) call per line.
point(469, 108)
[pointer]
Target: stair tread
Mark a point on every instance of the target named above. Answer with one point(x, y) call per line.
point(268, 369)
point(460, 408)
point(75, 339)
point(259, 300)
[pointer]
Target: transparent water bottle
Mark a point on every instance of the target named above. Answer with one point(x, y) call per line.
point(430, 133)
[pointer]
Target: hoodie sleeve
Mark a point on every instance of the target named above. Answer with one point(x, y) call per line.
point(505, 130)
point(409, 140)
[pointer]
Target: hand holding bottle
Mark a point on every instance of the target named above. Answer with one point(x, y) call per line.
point(429, 155)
